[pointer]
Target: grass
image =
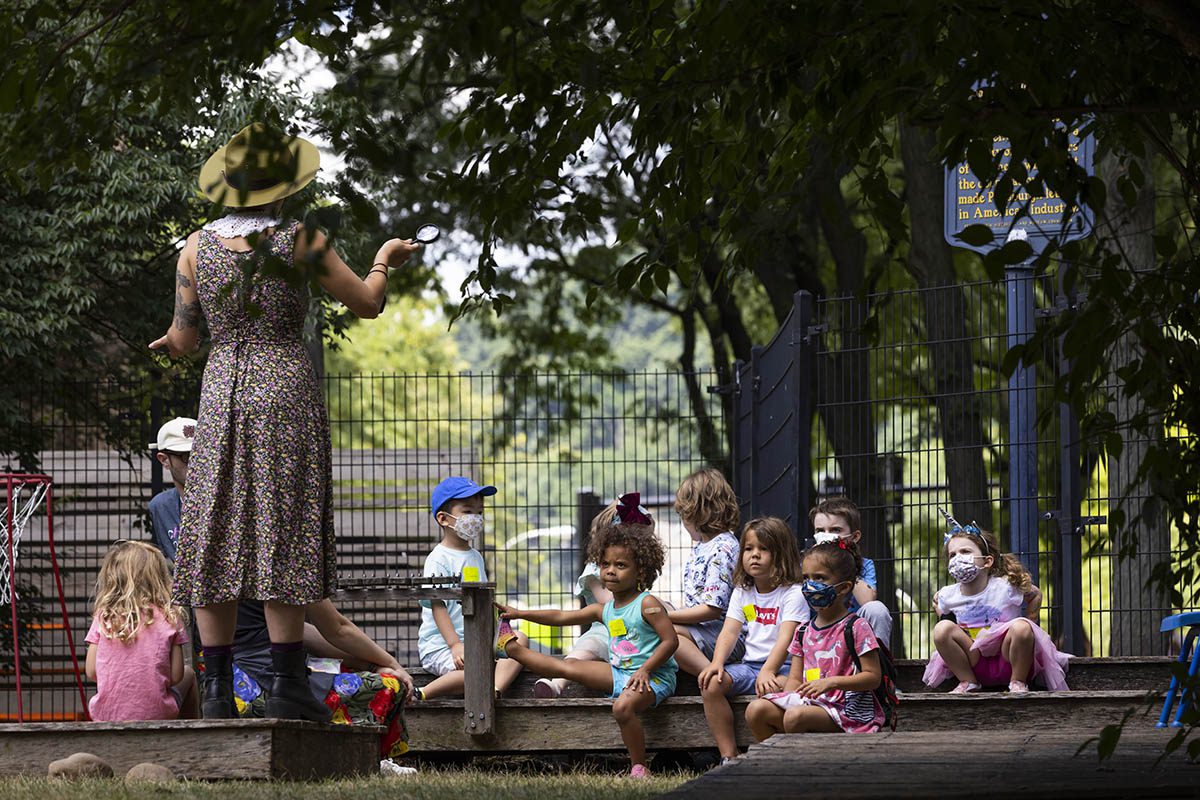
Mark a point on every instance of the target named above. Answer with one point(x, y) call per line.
point(428, 784)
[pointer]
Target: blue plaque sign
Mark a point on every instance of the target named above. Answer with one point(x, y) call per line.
point(968, 202)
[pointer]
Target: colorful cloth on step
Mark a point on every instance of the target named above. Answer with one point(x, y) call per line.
point(357, 698)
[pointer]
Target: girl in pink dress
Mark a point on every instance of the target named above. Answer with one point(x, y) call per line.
point(830, 687)
point(982, 638)
point(135, 644)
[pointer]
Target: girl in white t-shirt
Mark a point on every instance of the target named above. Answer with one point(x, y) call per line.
point(767, 604)
point(982, 638)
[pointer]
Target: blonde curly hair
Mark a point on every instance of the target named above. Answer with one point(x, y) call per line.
point(706, 501)
point(133, 587)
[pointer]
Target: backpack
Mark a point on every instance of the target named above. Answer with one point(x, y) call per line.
point(885, 692)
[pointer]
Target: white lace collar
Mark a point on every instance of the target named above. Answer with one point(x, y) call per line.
point(237, 224)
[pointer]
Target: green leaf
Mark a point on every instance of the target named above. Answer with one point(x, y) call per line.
point(1108, 741)
point(976, 235)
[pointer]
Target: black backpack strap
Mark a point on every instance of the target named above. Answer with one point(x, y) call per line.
point(848, 633)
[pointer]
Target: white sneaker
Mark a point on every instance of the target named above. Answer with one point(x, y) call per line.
point(391, 769)
point(546, 689)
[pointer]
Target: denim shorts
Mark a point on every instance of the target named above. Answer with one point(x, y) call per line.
point(662, 681)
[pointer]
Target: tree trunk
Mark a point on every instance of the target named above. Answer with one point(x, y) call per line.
point(843, 384)
point(1137, 605)
point(960, 418)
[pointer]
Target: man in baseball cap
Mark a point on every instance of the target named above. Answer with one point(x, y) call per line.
point(172, 449)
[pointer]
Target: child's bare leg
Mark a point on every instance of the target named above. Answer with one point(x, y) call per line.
point(764, 718)
point(688, 655)
point(449, 685)
point(578, 654)
point(507, 669)
point(954, 646)
point(592, 674)
point(189, 705)
point(808, 719)
point(1017, 649)
point(719, 714)
point(626, 709)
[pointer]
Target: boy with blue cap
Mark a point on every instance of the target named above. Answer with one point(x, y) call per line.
point(457, 506)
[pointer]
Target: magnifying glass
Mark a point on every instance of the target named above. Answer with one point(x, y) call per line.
point(427, 233)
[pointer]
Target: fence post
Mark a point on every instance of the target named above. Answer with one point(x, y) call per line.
point(803, 355)
point(587, 506)
point(1022, 414)
point(156, 421)
point(755, 433)
point(1070, 523)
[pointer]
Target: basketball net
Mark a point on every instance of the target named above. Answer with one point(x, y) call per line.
point(19, 510)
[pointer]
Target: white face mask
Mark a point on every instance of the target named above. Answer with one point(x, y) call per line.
point(823, 538)
point(467, 526)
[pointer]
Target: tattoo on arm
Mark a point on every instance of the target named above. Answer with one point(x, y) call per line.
point(187, 315)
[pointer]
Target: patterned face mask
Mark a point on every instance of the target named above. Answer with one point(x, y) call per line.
point(823, 538)
point(468, 526)
point(963, 568)
point(819, 595)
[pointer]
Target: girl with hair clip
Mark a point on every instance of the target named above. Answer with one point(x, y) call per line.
point(831, 685)
point(767, 604)
point(135, 644)
point(981, 638)
point(642, 641)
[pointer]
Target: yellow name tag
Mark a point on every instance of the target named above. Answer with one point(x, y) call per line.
point(974, 632)
point(812, 674)
point(470, 575)
point(616, 627)
point(750, 611)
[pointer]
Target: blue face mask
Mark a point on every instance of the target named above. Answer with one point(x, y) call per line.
point(820, 595)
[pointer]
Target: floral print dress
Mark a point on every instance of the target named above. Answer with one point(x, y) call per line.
point(258, 511)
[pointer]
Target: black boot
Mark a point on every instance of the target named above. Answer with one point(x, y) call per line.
point(217, 700)
point(290, 696)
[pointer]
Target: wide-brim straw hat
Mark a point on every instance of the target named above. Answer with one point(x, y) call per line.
point(259, 165)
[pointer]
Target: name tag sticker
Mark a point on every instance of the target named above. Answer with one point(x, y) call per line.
point(470, 574)
point(616, 627)
point(812, 674)
point(974, 632)
point(750, 612)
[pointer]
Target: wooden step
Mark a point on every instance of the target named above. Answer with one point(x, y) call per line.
point(1085, 674)
point(951, 764)
point(586, 723)
point(255, 749)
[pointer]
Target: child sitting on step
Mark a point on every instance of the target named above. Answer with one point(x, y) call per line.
point(135, 644)
point(592, 644)
point(982, 639)
point(640, 672)
point(767, 603)
point(837, 518)
point(831, 686)
point(709, 510)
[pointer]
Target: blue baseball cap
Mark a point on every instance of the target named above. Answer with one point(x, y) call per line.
point(455, 488)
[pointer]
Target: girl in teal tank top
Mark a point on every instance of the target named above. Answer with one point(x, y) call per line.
point(642, 640)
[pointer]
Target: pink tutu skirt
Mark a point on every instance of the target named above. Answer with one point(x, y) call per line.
point(1048, 662)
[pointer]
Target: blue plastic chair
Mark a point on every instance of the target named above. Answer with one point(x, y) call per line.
point(1190, 620)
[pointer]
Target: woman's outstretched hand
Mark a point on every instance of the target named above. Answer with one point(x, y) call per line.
point(395, 252)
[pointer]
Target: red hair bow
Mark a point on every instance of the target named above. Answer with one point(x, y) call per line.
point(630, 510)
point(842, 544)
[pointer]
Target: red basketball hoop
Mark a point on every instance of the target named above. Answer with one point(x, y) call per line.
point(24, 493)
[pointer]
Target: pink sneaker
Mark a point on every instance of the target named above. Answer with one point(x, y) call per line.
point(1018, 687)
point(965, 687)
point(546, 689)
point(639, 771)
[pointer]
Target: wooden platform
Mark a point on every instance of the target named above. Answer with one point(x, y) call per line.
point(199, 749)
point(976, 764)
point(586, 723)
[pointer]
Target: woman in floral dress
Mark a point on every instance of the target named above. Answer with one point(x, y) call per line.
point(258, 516)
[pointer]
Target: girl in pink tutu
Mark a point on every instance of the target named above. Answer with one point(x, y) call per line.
point(981, 638)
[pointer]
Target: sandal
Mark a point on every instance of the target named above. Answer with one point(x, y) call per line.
point(505, 634)
point(966, 687)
